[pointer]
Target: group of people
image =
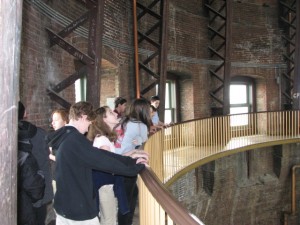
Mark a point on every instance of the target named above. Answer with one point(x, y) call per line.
point(97, 155)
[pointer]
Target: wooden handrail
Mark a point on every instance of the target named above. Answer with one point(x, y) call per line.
point(172, 207)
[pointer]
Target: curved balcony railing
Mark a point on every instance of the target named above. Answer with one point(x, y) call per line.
point(178, 149)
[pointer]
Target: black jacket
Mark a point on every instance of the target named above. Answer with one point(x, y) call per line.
point(40, 151)
point(31, 182)
point(75, 159)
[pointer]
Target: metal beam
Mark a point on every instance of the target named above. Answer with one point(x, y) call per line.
point(158, 24)
point(95, 51)
point(69, 48)
point(70, 80)
point(92, 59)
point(296, 95)
point(60, 100)
point(227, 60)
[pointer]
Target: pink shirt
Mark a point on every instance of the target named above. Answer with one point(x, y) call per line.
point(103, 140)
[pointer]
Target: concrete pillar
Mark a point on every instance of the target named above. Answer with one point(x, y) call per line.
point(10, 38)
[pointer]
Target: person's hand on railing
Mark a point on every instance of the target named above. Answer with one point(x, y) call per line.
point(142, 161)
point(155, 128)
point(141, 156)
point(166, 125)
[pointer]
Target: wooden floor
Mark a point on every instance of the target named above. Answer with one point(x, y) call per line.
point(179, 158)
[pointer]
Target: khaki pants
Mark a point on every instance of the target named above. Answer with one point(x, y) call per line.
point(108, 205)
point(64, 221)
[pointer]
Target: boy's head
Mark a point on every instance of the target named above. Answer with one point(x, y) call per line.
point(79, 109)
point(120, 101)
point(154, 100)
point(82, 114)
point(120, 105)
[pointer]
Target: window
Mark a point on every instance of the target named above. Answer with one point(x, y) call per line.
point(241, 98)
point(170, 101)
point(170, 104)
point(80, 89)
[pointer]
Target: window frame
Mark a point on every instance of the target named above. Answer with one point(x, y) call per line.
point(250, 98)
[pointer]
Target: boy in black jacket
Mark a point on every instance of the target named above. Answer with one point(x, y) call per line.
point(76, 157)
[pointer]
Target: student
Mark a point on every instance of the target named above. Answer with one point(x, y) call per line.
point(74, 201)
point(136, 126)
point(102, 136)
point(109, 187)
point(155, 101)
point(60, 117)
point(40, 151)
point(120, 106)
point(153, 128)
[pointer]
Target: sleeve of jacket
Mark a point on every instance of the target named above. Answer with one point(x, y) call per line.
point(106, 161)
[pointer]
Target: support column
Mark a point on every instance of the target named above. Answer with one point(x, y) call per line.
point(95, 51)
point(10, 39)
point(227, 60)
point(296, 94)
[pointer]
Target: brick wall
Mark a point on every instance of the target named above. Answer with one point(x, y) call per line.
point(256, 52)
point(260, 198)
point(41, 67)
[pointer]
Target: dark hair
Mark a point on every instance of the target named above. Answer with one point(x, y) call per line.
point(154, 98)
point(21, 111)
point(82, 108)
point(139, 111)
point(99, 127)
point(119, 101)
point(153, 108)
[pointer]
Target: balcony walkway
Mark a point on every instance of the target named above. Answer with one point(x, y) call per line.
point(179, 149)
point(178, 159)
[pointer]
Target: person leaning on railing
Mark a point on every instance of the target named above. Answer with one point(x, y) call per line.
point(155, 128)
point(76, 157)
point(135, 127)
